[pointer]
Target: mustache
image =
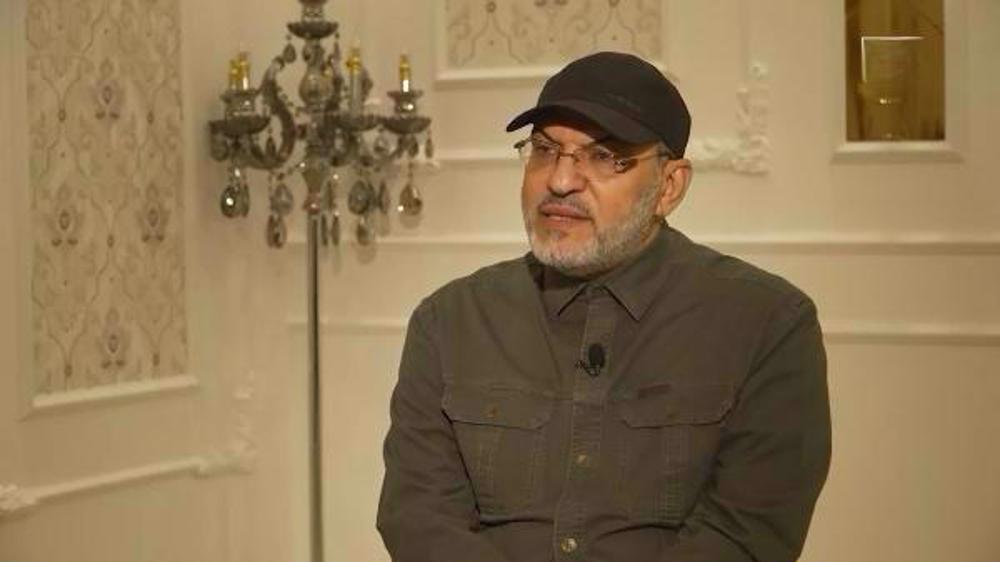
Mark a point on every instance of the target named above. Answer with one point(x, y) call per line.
point(567, 201)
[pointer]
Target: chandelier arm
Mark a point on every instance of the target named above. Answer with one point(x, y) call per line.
point(271, 95)
point(221, 146)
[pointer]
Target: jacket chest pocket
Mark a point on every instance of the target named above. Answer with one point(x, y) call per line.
point(501, 437)
point(669, 439)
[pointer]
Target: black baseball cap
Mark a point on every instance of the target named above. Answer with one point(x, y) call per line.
point(622, 94)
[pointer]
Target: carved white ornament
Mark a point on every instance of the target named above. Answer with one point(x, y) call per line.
point(240, 453)
point(14, 499)
point(236, 457)
point(748, 150)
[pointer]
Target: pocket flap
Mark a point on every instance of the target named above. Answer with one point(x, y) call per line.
point(496, 406)
point(672, 405)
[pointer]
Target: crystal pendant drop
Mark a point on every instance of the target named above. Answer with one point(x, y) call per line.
point(277, 233)
point(359, 200)
point(429, 147)
point(365, 156)
point(381, 145)
point(288, 54)
point(410, 202)
point(324, 229)
point(326, 198)
point(364, 232)
point(241, 198)
point(282, 200)
point(229, 202)
point(335, 227)
point(384, 198)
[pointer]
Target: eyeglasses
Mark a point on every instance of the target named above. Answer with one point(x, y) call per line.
point(593, 160)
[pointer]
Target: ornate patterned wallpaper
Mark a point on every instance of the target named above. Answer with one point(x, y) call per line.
point(506, 33)
point(105, 169)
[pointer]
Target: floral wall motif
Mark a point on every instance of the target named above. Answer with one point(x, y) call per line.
point(506, 33)
point(105, 169)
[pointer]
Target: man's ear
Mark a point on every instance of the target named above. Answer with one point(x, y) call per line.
point(675, 177)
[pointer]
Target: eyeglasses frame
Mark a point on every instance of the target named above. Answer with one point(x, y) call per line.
point(621, 164)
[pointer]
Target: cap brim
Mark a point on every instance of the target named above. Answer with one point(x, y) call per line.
point(616, 124)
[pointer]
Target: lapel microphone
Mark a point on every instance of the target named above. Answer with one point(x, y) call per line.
point(595, 360)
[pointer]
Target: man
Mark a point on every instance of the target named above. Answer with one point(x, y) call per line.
point(620, 393)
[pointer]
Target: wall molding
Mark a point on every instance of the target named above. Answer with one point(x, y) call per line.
point(914, 334)
point(912, 152)
point(840, 333)
point(495, 77)
point(73, 399)
point(16, 500)
point(912, 244)
point(238, 455)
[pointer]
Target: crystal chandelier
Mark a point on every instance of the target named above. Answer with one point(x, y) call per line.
point(334, 125)
point(336, 131)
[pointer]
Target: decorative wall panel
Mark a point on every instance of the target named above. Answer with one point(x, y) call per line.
point(489, 34)
point(105, 171)
point(498, 40)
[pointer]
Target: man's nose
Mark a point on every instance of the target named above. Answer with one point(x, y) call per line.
point(566, 176)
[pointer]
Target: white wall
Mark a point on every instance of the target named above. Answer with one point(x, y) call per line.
point(901, 257)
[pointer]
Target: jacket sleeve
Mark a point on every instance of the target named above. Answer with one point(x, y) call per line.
point(774, 456)
point(427, 511)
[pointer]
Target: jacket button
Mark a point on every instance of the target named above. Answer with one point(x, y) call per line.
point(568, 545)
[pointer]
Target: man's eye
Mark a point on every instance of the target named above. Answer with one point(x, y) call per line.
point(543, 149)
point(600, 155)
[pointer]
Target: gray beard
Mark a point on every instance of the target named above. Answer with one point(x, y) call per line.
point(605, 250)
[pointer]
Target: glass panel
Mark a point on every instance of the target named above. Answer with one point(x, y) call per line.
point(895, 70)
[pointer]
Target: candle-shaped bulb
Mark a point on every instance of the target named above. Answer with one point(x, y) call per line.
point(354, 61)
point(404, 73)
point(354, 81)
point(234, 74)
point(243, 63)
